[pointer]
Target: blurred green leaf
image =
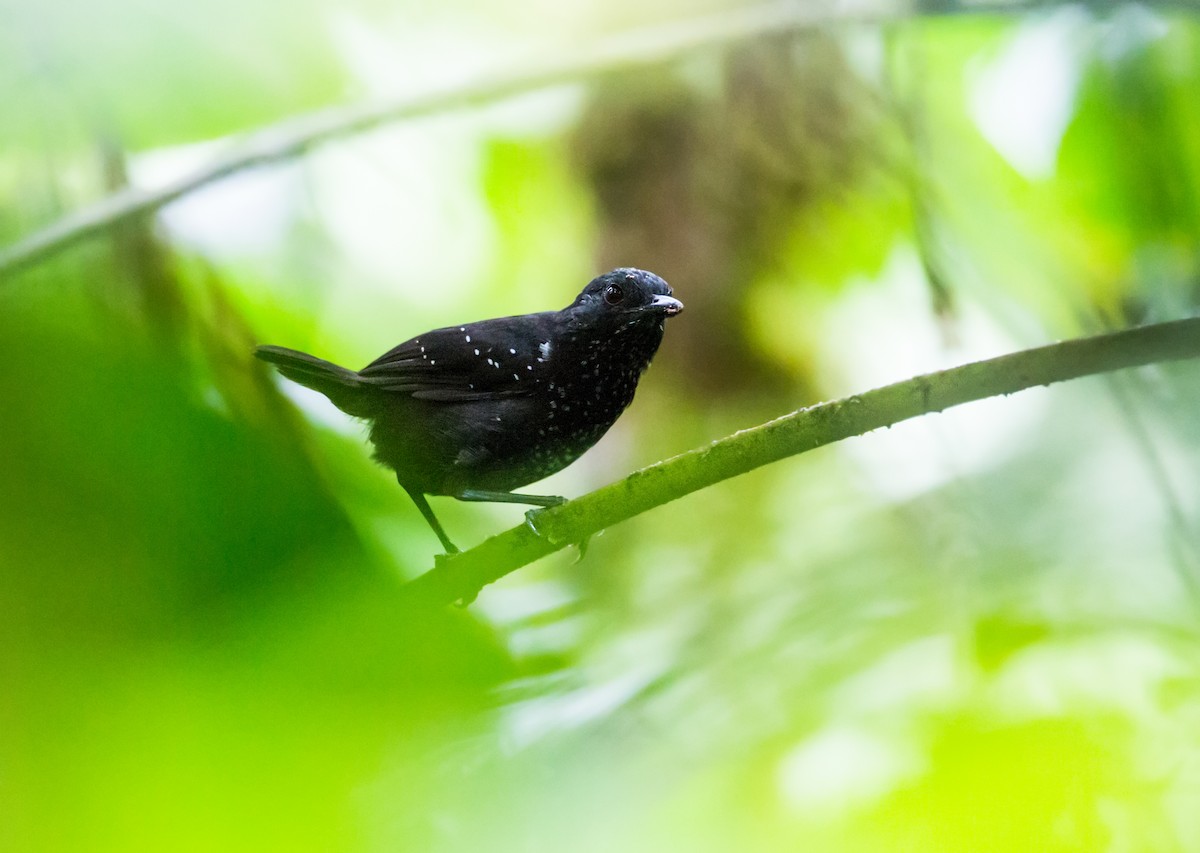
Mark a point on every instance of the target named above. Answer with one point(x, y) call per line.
point(161, 74)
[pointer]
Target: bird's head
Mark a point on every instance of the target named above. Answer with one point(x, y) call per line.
point(626, 296)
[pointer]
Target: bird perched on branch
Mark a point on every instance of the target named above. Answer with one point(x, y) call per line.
point(478, 410)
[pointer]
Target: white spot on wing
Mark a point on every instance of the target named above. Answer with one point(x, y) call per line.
point(544, 349)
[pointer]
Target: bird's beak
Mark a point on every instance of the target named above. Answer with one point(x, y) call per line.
point(669, 305)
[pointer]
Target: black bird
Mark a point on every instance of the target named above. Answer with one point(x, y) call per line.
point(476, 411)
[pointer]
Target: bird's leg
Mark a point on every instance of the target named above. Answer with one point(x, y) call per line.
point(423, 506)
point(488, 496)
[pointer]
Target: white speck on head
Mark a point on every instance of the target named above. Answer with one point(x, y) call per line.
point(462, 328)
point(468, 338)
point(544, 349)
point(432, 361)
point(516, 376)
point(476, 352)
point(529, 367)
point(422, 349)
point(511, 350)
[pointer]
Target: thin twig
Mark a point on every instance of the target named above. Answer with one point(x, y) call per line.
point(638, 49)
point(462, 575)
point(628, 51)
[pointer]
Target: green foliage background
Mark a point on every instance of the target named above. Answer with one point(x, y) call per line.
point(972, 632)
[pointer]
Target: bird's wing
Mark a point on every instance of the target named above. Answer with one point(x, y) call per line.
point(478, 361)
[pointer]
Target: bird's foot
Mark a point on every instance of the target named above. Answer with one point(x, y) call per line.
point(468, 598)
point(531, 521)
point(440, 561)
point(531, 517)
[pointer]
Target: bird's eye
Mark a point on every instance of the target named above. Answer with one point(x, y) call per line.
point(613, 294)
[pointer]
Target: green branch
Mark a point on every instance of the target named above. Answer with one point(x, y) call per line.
point(630, 51)
point(461, 576)
point(627, 51)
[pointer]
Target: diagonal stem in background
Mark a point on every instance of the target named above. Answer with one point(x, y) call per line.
point(461, 576)
point(629, 51)
point(289, 139)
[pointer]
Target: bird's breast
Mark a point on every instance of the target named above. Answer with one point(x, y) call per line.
point(576, 390)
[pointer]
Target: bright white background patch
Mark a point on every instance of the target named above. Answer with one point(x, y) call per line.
point(844, 766)
point(1023, 101)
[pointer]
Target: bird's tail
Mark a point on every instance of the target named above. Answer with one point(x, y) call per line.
point(341, 385)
